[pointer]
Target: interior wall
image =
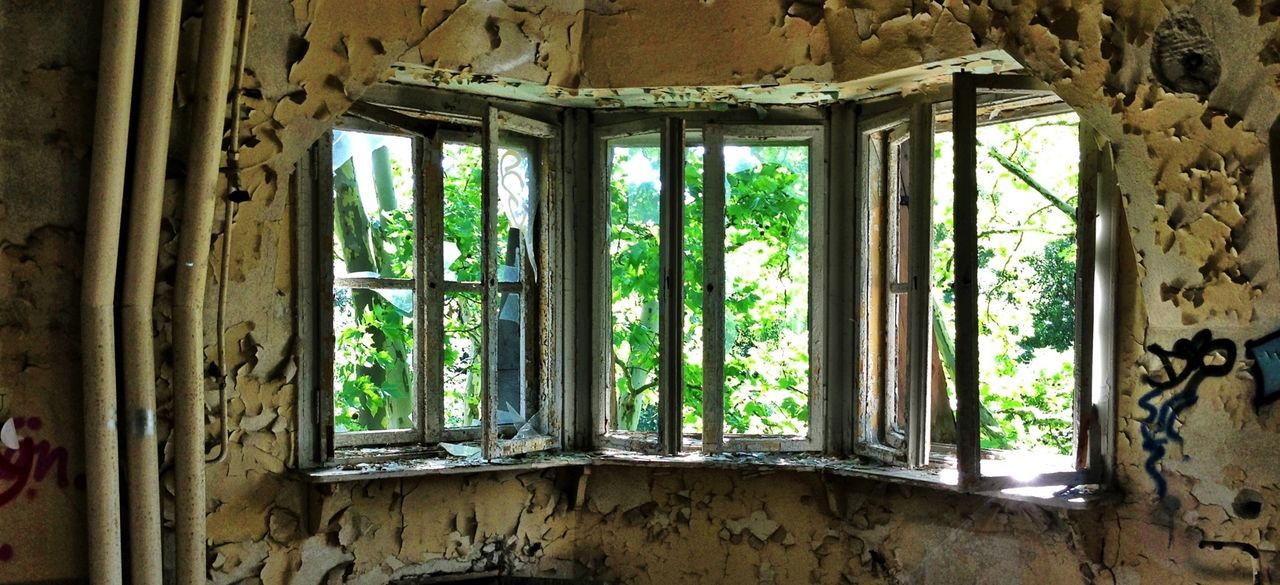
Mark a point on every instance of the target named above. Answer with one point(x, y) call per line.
point(1193, 170)
point(46, 118)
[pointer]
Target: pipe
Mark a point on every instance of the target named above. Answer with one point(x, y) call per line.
point(230, 204)
point(160, 61)
point(193, 257)
point(101, 254)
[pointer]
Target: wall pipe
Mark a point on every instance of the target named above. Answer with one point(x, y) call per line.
point(230, 204)
point(97, 296)
point(160, 58)
point(208, 119)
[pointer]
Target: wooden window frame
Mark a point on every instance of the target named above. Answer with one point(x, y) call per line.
point(1094, 395)
point(478, 121)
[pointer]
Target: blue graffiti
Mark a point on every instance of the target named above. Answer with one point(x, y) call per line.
point(1158, 427)
point(1265, 353)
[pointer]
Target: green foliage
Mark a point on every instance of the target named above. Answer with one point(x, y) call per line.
point(766, 301)
point(374, 340)
point(1026, 275)
point(634, 275)
point(374, 329)
point(463, 332)
point(1053, 275)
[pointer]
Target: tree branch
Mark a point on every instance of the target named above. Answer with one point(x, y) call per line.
point(1021, 173)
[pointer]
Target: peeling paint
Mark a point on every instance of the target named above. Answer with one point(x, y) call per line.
point(1198, 252)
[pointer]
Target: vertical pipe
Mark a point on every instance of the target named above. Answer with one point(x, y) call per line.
point(102, 236)
point(155, 113)
point(193, 256)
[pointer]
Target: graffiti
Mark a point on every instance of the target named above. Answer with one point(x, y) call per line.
point(1158, 427)
point(1265, 353)
point(31, 463)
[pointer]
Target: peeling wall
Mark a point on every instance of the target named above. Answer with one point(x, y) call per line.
point(1201, 230)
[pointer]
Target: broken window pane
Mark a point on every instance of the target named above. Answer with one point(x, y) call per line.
point(373, 186)
point(513, 253)
point(634, 190)
point(517, 206)
point(463, 173)
point(767, 289)
point(462, 344)
point(509, 371)
point(1027, 176)
point(373, 359)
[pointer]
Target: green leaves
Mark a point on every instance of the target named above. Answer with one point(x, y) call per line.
point(766, 301)
point(1026, 277)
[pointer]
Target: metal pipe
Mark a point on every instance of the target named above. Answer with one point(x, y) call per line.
point(101, 253)
point(230, 204)
point(160, 58)
point(193, 257)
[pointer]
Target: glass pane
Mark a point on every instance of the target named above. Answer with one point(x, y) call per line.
point(767, 289)
point(373, 377)
point(517, 206)
point(509, 377)
point(463, 336)
point(693, 279)
point(1027, 189)
point(634, 190)
point(514, 245)
point(373, 185)
point(463, 173)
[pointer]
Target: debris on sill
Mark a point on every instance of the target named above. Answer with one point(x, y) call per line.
point(439, 466)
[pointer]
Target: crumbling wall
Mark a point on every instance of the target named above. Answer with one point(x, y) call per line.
point(1191, 152)
point(46, 118)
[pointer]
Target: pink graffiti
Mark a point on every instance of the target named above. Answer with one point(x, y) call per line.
point(31, 463)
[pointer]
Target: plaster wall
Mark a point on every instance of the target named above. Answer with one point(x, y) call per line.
point(1203, 254)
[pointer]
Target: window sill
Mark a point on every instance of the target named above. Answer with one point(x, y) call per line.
point(433, 466)
point(746, 462)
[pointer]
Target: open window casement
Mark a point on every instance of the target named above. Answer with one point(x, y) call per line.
point(637, 241)
point(895, 163)
point(520, 393)
point(965, 261)
point(762, 250)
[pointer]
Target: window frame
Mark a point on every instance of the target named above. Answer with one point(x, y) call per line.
point(1094, 394)
point(576, 379)
point(783, 125)
point(431, 118)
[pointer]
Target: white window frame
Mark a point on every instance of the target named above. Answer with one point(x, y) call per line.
point(672, 132)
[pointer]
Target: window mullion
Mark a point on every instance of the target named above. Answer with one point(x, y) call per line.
point(713, 290)
point(965, 129)
point(489, 358)
point(919, 294)
point(670, 305)
point(429, 207)
point(1086, 215)
point(324, 192)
